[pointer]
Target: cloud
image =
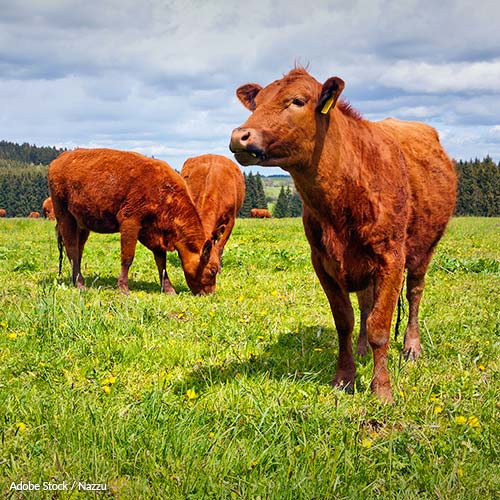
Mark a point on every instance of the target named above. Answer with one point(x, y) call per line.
point(159, 76)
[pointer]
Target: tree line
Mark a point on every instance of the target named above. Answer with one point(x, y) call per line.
point(23, 185)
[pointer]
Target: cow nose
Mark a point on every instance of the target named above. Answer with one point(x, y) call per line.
point(240, 139)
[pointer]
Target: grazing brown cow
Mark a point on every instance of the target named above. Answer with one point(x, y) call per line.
point(377, 198)
point(260, 213)
point(217, 187)
point(48, 208)
point(143, 199)
point(3, 213)
point(34, 215)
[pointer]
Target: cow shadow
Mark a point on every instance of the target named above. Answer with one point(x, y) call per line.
point(97, 281)
point(308, 353)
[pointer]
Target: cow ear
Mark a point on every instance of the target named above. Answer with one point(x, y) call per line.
point(247, 93)
point(217, 234)
point(330, 92)
point(205, 253)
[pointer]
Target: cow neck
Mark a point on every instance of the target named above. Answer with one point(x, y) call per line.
point(324, 182)
point(190, 233)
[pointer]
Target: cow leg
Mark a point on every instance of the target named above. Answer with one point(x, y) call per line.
point(343, 316)
point(129, 232)
point(161, 262)
point(414, 289)
point(221, 242)
point(378, 326)
point(365, 301)
point(70, 234)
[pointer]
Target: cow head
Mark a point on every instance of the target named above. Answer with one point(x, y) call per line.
point(286, 118)
point(200, 270)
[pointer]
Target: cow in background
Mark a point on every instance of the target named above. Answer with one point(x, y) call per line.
point(34, 215)
point(377, 199)
point(260, 213)
point(217, 187)
point(109, 191)
point(48, 208)
point(3, 213)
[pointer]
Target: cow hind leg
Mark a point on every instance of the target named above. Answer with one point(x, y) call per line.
point(415, 284)
point(71, 235)
point(129, 233)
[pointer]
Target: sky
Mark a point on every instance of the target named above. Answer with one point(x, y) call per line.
point(159, 77)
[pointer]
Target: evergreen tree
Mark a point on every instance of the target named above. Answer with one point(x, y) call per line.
point(294, 205)
point(281, 208)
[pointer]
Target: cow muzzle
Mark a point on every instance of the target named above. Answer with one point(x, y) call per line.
point(245, 146)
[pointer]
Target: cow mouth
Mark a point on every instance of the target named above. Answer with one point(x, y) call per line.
point(247, 158)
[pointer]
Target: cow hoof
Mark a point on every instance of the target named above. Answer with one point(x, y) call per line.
point(411, 353)
point(362, 349)
point(169, 291)
point(383, 393)
point(343, 385)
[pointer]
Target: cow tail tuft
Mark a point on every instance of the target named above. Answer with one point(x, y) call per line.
point(61, 247)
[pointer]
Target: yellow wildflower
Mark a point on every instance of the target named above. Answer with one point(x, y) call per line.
point(481, 368)
point(366, 442)
point(460, 472)
point(460, 420)
point(21, 427)
point(438, 410)
point(12, 335)
point(191, 394)
point(106, 389)
point(473, 421)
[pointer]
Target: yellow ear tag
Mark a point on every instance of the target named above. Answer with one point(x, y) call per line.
point(327, 106)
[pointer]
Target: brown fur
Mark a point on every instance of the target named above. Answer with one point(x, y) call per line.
point(48, 208)
point(110, 191)
point(377, 198)
point(34, 215)
point(3, 212)
point(260, 213)
point(217, 187)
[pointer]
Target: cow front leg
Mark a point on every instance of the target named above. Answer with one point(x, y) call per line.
point(161, 262)
point(343, 317)
point(129, 232)
point(378, 327)
point(365, 301)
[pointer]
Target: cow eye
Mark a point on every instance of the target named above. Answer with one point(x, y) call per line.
point(299, 102)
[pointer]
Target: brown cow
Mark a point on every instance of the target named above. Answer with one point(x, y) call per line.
point(217, 187)
point(3, 213)
point(34, 215)
point(260, 213)
point(48, 208)
point(110, 191)
point(377, 199)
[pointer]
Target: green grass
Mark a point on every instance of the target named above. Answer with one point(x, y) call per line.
point(228, 396)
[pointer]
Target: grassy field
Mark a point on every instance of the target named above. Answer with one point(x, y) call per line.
point(228, 396)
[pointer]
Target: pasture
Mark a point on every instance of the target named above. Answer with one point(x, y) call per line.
point(228, 395)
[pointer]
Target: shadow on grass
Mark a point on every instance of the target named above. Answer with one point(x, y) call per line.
point(308, 353)
point(96, 281)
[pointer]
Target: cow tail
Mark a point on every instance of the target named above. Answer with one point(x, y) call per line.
point(401, 310)
point(61, 248)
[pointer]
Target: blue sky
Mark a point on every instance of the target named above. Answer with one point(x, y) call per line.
point(159, 77)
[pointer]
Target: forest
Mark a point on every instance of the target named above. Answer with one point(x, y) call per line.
point(23, 185)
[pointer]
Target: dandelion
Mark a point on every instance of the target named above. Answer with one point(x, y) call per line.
point(438, 410)
point(191, 394)
point(107, 389)
point(21, 427)
point(12, 336)
point(260, 338)
point(274, 293)
point(460, 472)
point(481, 368)
point(109, 381)
point(460, 420)
point(366, 443)
point(473, 422)
point(3, 324)
point(211, 435)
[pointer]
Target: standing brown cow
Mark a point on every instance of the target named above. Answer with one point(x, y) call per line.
point(3, 213)
point(143, 199)
point(260, 213)
point(217, 187)
point(377, 198)
point(48, 208)
point(34, 215)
